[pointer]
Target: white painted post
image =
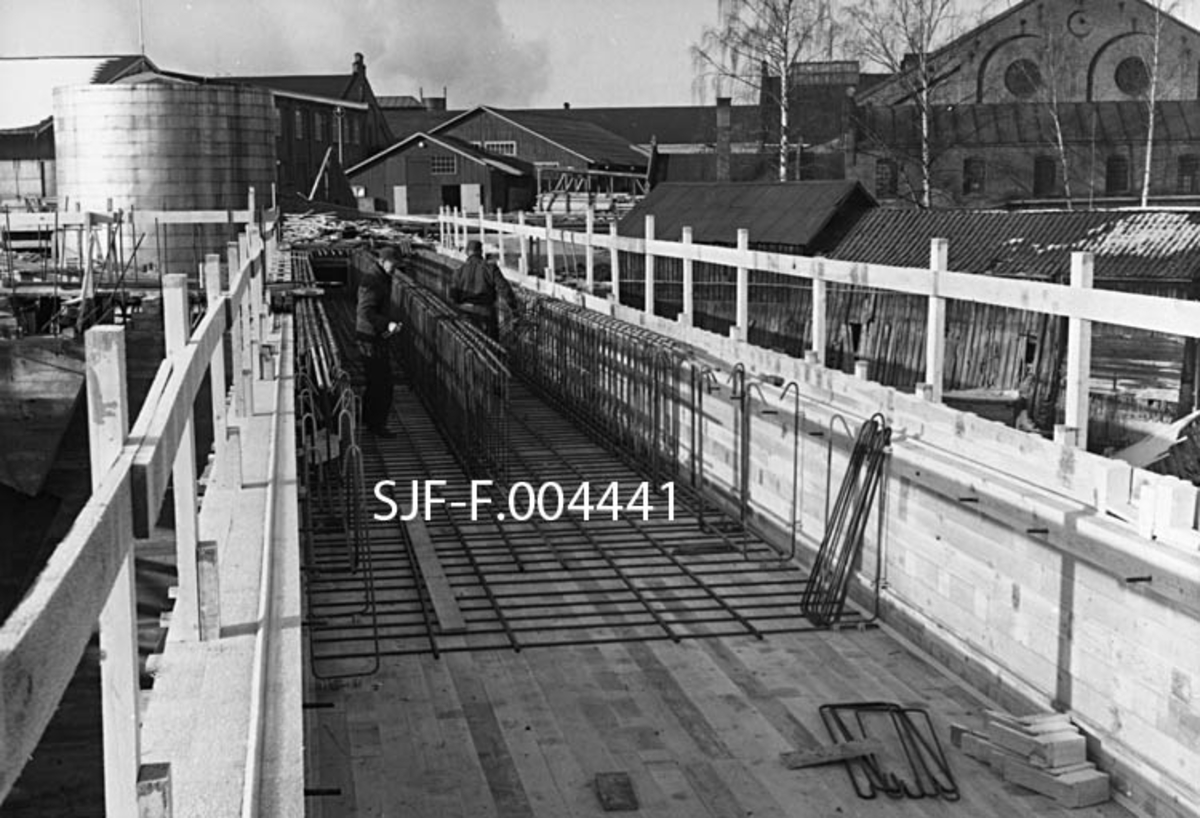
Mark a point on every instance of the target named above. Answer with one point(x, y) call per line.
point(648, 307)
point(212, 288)
point(236, 337)
point(549, 247)
point(185, 619)
point(441, 226)
point(614, 256)
point(108, 425)
point(688, 316)
point(589, 252)
point(820, 301)
point(1079, 354)
point(500, 236)
point(461, 217)
point(935, 324)
point(523, 262)
point(482, 226)
point(742, 330)
point(251, 205)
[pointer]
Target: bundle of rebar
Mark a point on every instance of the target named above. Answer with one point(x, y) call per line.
point(461, 375)
point(825, 595)
point(621, 381)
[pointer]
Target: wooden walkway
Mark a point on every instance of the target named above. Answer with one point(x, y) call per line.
point(698, 726)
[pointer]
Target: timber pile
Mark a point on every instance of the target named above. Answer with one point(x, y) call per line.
point(1045, 753)
point(317, 228)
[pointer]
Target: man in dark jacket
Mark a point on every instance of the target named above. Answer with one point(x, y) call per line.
point(477, 287)
point(372, 327)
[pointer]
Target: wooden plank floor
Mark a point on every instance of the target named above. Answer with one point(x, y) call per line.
point(698, 726)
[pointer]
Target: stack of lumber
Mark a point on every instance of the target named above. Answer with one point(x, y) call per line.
point(1045, 753)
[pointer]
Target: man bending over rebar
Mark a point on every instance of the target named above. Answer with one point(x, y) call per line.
point(477, 288)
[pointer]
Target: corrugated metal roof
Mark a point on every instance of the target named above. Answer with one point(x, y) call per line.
point(404, 122)
point(507, 164)
point(1158, 246)
point(674, 124)
point(330, 86)
point(794, 214)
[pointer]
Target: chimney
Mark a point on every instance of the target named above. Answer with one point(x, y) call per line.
point(724, 126)
point(359, 67)
point(434, 103)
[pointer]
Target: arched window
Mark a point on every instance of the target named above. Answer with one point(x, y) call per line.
point(1045, 176)
point(1116, 175)
point(886, 179)
point(974, 175)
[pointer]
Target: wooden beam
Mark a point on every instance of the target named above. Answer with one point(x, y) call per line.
point(689, 282)
point(1079, 354)
point(589, 251)
point(108, 425)
point(43, 640)
point(820, 302)
point(614, 258)
point(549, 247)
point(216, 301)
point(743, 286)
point(831, 754)
point(648, 271)
point(935, 324)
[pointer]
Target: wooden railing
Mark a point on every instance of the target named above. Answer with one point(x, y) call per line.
point(89, 577)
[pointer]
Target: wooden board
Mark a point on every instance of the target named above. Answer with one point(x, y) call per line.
point(445, 605)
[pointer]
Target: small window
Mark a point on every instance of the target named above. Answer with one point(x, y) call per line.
point(886, 178)
point(1023, 78)
point(1116, 175)
point(443, 165)
point(505, 148)
point(1189, 173)
point(1045, 176)
point(298, 124)
point(320, 132)
point(974, 175)
point(278, 123)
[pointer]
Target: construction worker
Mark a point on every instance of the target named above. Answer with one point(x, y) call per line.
point(372, 327)
point(478, 286)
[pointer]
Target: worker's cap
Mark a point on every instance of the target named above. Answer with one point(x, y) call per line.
point(389, 254)
point(474, 246)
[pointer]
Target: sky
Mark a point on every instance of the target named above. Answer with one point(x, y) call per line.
point(507, 53)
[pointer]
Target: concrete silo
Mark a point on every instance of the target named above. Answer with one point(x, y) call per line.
point(165, 146)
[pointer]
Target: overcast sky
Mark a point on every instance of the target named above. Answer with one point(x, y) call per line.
point(512, 53)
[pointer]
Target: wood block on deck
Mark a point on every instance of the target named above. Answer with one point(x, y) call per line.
point(445, 605)
point(830, 754)
point(1042, 750)
point(615, 791)
point(1082, 788)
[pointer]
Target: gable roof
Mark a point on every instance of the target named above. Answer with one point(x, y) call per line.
point(793, 214)
point(1159, 246)
point(506, 164)
point(881, 88)
point(668, 124)
point(27, 85)
point(407, 121)
point(588, 141)
point(330, 86)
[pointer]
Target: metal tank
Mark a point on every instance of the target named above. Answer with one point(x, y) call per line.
point(164, 146)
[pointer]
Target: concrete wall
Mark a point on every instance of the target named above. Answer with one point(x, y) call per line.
point(25, 178)
point(997, 559)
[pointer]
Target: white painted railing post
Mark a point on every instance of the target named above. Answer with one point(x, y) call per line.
point(1079, 354)
point(820, 302)
point(236, 335)
point(212, 290)
point(500, 236)
point(185, 619)
point(549, 247)
point(441, 226)
point(463, 228)
point(648, 307)
point(935, 324)
point(614, 256)
point(688, 316)
point(482, 226)
point(523, 261)
point(742, 329)
point(589, 252)
point(108, 425)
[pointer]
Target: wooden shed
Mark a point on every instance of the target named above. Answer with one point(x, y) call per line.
point(427, 171)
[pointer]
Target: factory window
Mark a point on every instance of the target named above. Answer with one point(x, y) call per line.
point(1189, 173)
point(974, 175)
point(1045, 176)
point(1133, 76)
point(1116, 175)
point(886, 178)
point(1023, 78)
point(504, 148)
point(298, 124)
point(320, 131)
point(443, 165)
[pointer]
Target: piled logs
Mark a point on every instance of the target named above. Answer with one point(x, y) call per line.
point(1045, 753)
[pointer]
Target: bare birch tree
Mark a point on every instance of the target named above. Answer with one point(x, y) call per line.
point(886, 31)
point(755, 41)
point(1152, 95)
